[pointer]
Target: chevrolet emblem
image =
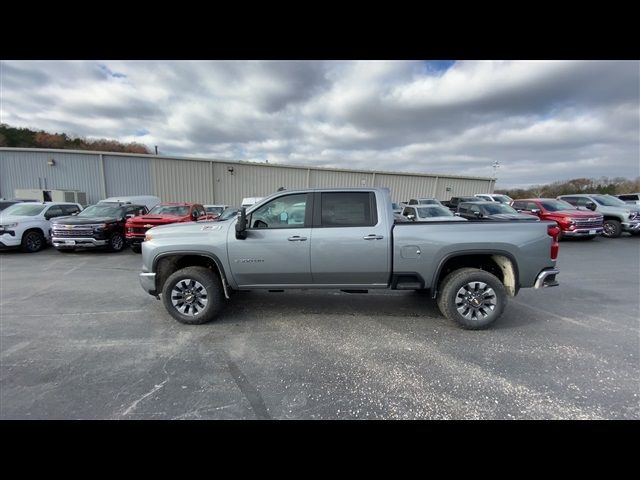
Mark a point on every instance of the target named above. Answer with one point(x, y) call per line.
point(148, 225)
point(68, 227)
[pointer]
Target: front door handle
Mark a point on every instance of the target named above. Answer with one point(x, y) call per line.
point(373, 236)
point(297, 238)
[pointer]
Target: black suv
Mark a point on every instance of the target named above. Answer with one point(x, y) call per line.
point(99, 225)
point(455, 201)
point(483, 210)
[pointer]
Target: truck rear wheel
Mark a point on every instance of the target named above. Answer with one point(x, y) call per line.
point(193, 295)
point(472, 298)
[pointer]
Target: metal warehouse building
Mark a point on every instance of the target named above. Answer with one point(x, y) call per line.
point(207, 181)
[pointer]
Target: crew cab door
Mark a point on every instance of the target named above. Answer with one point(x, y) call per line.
point(350, 245)
point(276, 249)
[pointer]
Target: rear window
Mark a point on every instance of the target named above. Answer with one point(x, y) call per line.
point(348, 209)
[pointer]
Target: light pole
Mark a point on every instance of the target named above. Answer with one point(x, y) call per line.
point(496, 165)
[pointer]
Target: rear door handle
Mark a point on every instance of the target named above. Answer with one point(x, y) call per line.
point(373, 236)
point(297, 238)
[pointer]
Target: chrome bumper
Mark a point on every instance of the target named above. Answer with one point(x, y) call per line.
point(631, 226)
point(148, 282)
point(79, 242)
point(547, 278)
point(582, 232)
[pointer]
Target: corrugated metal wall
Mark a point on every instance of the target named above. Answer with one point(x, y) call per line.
point(127, 176)
point(72, 171)
point(461, 187)
point(202, 180)
point(405, 187)
point(182, 181)
point(251, 180)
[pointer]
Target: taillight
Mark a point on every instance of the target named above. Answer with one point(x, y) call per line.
point(554, 231)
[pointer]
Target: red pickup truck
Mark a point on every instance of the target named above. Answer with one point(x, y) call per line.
point(572, 222)
point(162, 214)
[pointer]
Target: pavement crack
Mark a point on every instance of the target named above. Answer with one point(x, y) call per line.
point(249, 391)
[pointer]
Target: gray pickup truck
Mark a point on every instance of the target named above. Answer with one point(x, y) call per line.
point(346, 239)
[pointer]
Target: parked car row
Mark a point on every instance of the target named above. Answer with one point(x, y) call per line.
point(579, 215)
point(112, 223)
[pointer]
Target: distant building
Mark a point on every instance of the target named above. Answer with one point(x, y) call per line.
point(209, 181)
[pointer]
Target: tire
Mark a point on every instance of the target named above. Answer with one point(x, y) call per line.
point(180, 305)
point(136, 247)
point(32, 241)
point(490, 290)
point(612, 229)
point(116, 242)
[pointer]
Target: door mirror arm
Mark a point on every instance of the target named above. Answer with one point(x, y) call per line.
point(241, 224)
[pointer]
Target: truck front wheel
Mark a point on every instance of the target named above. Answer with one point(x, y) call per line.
point(193, 295)
point(472, 298)
point(612, 228)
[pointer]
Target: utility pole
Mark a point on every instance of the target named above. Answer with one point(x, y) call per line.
point(156, 149)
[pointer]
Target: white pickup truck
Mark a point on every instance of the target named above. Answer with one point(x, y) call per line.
point(27, 225)
point(346, 239)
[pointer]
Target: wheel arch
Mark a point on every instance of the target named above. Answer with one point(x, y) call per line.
point(499, 262)
point(167, 263)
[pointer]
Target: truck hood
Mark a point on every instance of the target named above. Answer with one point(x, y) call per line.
point(573, 214)
point(155, 219)
point(189, 229)
point(512, 216)
point(7, 219)
point(74, 220)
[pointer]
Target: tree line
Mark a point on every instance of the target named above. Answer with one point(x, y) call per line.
point(604, 185)
point(27, 138)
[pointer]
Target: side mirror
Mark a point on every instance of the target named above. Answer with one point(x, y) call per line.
point(129, 215)
point(591, 206)
point(477, 214)
point(456, 214)
point(411, 216)
point(535, 211)
point(194, 215)
point(75, 213)
point(241, 225)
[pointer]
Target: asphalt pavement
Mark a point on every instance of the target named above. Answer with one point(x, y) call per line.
point(80, 339)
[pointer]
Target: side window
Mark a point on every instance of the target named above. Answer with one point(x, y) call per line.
point(582, 201)
point(519, 205)
point(531, 206)
point(282, 212)
point(572, 200)
point(474, 209)
point(136, 210)
point(54, 211)
point(348, 209)
point(463, 209)
point(70, 209)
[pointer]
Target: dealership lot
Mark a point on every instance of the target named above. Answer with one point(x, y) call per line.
point(79, 339)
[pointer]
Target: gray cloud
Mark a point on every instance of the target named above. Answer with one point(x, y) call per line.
point(543, 121)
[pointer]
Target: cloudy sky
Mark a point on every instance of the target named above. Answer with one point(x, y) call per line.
point(541, 120)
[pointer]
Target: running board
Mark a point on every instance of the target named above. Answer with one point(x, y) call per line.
point(355, 291)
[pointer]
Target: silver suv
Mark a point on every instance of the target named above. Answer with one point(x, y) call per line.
point(618, 216)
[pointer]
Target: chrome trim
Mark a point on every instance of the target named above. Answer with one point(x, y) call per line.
point(80, 241)
point(542, 282)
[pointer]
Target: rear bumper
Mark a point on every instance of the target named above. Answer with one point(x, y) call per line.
point(547, 278)
point(60, 242)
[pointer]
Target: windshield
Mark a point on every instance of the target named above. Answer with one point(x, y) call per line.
point(427, 201)
point(26, 209)
point(556, 205)
point(177, 210)
point(434, 211)
point(502, 199)
point(215, 210)
point(101, 210)
point(497, 208)
point(608, 201)
point(228, 213)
